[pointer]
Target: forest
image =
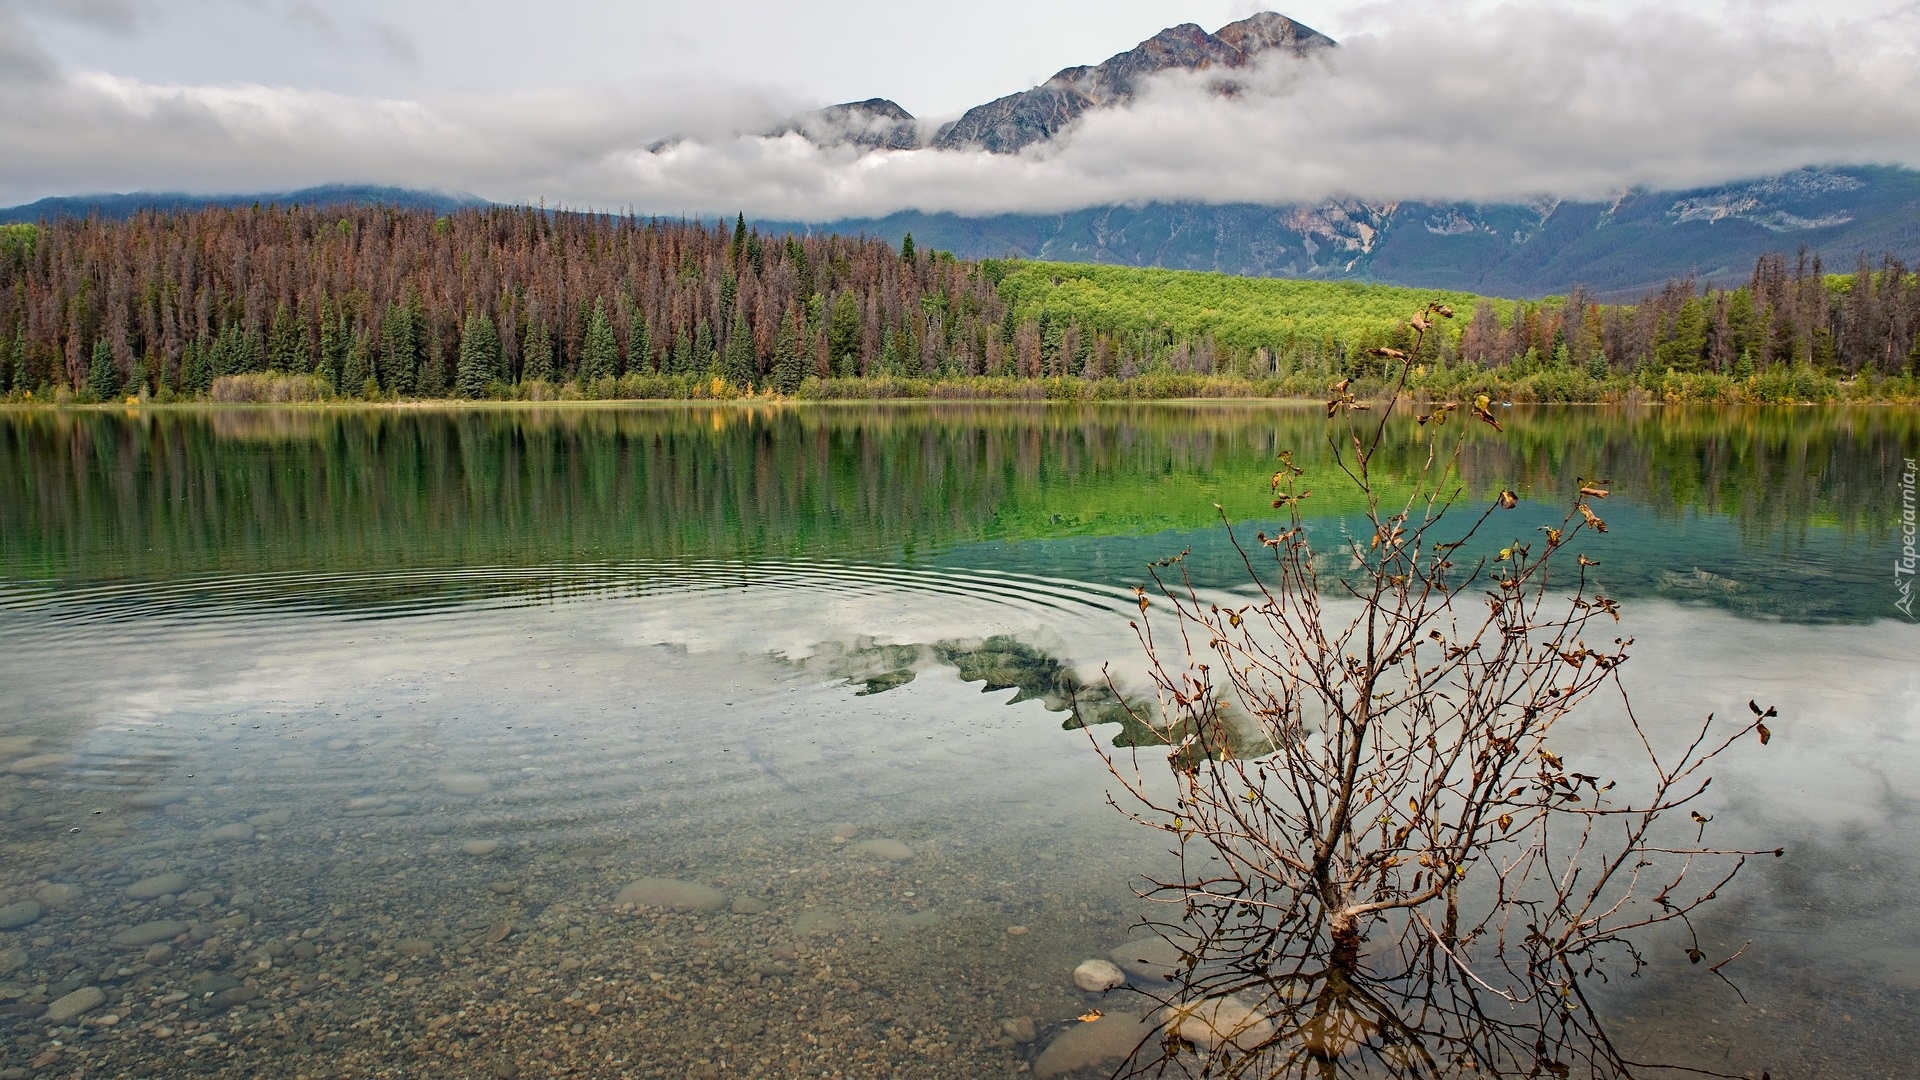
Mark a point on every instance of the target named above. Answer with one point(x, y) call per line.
point(375, 303)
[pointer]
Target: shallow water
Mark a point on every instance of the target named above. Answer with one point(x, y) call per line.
point(406, 699)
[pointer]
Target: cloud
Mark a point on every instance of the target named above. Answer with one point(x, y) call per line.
point(1511, 103)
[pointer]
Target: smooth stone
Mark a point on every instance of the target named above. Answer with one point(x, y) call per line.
point(669, 893)
point(157, 955)
point(154, 800)
point(815, 922)
point(1098, 976)
point(465, 784)
point(42, 763)
point(412, 947)
point(66, 1008)
point(1151, 958)
point(24, 913)
point(58, 894)
point(237, 831)
point(1334, 1034)
point(480, 847)
point(272, 819)
point(1213, 1021)
point(890, 850)
point(12, 960)
point(198, 898)
point(1084, 1046)
point(1020, 1029)
point(845, 830)
point(150, 933)
point(503, 887)
point(157, 886)
point(747, 905)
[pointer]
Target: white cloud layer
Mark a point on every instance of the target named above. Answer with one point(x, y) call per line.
point(1508, 103)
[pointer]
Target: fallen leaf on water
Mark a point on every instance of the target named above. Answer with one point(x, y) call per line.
point(1090, 1016)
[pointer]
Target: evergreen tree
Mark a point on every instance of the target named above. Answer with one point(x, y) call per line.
point(741, 367)
point(21, 378)
point(356, 372)
point(432, 381)
point(286, 343)
point(400, 346)
point(252, 355)
point(739, 237)
point(789, 360)
point(640, 347)
point(682, 354)
point(906, 248)
point(137, 380)
point(103, 382)
point(600, 352)
point(7, 346)
point(479, 357)
point(536, 354)
point(195, 374)
point(333, 346)
point(705, 359)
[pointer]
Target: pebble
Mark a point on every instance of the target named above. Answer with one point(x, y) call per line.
point(890, 850)
point(80, 1001)
point(12, 960)
point(412, 947)
point(1016, 931)
point(669, 893)
point(1020, 1029)
point(465, 784)
point(845, 830)
point(237, 831)
point(503, 887)
point(272, 819)
point(154, 800)
point(157, 886)
point(150, 933)
point(747, 905)
point(24, 913)
point(1098, 976)
point(480, 847)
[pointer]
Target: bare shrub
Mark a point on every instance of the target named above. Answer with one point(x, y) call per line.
point(1385, 866)
point(268, 388)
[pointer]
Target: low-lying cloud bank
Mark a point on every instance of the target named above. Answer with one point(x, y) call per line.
point(1514, 104)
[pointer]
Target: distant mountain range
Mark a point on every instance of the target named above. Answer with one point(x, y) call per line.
point(117, 207)
point(1620, 247)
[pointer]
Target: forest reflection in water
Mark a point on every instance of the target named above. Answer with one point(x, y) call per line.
point(606, 644)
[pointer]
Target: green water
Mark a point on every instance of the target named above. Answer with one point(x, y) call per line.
point(406, 697)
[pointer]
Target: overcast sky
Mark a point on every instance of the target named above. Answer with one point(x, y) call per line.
point(558, 100)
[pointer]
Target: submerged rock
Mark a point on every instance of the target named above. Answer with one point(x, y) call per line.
point(24, 913)
point(890, 850)
point(1105, 1041)
point(150, 933)
point(1213, 1021)
point(671, 893)
point(1098, 976)
point(157, 886)
point(82, 1000)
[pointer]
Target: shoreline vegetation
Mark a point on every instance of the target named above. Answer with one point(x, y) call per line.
point(290, 305)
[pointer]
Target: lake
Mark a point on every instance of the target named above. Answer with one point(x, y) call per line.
point(680, 742)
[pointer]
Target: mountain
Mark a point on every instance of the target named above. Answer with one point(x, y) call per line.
point(1620, 248)
point(1009, 124)
point(1019, 120)
point(120, 207)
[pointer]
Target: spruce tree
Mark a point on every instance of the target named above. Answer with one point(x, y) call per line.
point(640, 347)
point(789, 361)
point(6, 365)
point(286, 343)
point(479, 356)
point(906, 248)
point(103, 381)
point(356, 374)
point(333, 346)
point(432, 380)
point(195, 374)
point(741, 366)
point(705, 359)
point(21, 378)
point(600, 352)
point(253, 352)
point(536, 355)
point(739, 237)
point(400, 346)
point(682, 354)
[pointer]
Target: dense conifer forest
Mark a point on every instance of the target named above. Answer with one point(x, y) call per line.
point(276, 303)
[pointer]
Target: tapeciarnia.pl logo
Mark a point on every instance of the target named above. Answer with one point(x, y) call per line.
point(1908, 563)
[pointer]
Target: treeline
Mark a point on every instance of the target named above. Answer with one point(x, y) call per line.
point(272, 303)
point(378, 302)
